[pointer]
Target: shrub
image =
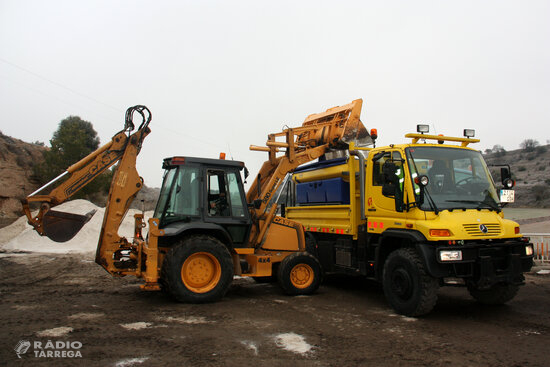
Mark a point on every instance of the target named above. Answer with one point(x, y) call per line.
point(540, 191)
point(541, 150)
point(529, 145)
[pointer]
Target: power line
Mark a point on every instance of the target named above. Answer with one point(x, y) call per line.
point(59, 84)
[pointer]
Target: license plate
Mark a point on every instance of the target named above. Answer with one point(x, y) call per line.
point(506, 196)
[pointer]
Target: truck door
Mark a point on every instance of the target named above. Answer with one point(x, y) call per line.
point(388, 184)
point(226, 203)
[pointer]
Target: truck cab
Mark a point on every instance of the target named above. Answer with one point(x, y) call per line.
point(206, 194)
point(414, 216)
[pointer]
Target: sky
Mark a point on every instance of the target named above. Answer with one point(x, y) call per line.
point(219, 76)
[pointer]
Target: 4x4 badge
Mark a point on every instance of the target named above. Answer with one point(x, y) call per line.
point(483, 228)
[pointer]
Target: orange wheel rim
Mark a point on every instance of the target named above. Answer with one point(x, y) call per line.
point(201, 272)
point(301, 276)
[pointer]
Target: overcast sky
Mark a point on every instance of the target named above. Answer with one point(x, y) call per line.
point(221, 75)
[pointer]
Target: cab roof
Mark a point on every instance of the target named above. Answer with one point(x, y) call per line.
point(172, 162)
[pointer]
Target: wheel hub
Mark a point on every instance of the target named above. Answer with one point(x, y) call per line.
point(201, 272)
point(402, 284)
point(301, 276)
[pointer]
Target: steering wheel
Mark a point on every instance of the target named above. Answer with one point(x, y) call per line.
point(471, 184)
point(468, 179)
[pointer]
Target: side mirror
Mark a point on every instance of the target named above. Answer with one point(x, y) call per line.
point(391, 187)
point(388, 189)
point(391, 181)
point(506, 177)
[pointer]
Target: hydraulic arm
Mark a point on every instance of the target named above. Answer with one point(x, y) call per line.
point(123, 149)
point(334, 129)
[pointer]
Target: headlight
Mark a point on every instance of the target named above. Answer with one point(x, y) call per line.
point(453, 255)
point(529, 250)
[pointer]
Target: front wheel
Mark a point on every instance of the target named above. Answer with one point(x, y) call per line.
point(498, 294)
point(408, 287)
point(199, 269)
point(299, 274)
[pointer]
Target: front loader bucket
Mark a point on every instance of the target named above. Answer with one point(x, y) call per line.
point(61, 226)
point(338, 126)
point(356, 132)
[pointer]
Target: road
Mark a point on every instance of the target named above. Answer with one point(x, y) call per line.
point(110, 322)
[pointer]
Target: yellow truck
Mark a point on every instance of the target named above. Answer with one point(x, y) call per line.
point(414, 216)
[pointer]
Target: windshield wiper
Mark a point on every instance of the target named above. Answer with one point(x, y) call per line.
point(491, 206)
point(426, 193)
point(431, 202)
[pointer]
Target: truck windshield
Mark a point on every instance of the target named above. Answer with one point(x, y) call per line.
point(458, 178)
point(179, 195)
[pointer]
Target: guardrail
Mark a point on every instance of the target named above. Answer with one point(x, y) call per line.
point(541, 246)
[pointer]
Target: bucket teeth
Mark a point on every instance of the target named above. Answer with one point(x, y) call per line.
point(61, 226)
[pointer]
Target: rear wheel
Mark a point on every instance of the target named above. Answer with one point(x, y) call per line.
point(299, 273)
point(198, 269)
point(408, 287)
point(496, 295)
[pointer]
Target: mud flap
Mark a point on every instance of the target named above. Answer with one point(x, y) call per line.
point(61, 226)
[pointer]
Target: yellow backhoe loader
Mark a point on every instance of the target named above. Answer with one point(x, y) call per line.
point(205, 229)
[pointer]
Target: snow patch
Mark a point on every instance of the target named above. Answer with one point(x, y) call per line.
point(292, 342)
point(130, 362)
point(186, 320)
point(55, 332)
point(86, 316)
point(20, 236)
point(24, 307)
point(136, 325)
point(528, 332)
point(250, 345)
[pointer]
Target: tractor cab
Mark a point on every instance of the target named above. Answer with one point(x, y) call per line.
point(206, 194)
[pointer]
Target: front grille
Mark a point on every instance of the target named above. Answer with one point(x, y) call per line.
point(474, 229)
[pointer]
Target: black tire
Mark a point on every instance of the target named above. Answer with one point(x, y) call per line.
point(408, 287)
point(299, 274)
point(199, 269)
point(496, 295)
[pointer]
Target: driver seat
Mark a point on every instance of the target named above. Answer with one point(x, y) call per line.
point(440, 176)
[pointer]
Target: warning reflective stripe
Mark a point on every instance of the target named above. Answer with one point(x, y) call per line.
point(375, 225)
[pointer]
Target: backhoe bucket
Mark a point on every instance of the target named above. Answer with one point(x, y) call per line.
point(61, 226)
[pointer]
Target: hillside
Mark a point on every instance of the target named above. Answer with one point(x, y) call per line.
point(16, 182)
point(16, 160)
point(530, 170)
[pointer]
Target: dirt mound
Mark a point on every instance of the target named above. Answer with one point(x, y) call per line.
point(20, 237)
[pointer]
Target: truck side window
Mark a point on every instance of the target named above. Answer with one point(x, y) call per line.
point(377, 173)
point(218, 204)
point(378, 178)
point(235, 197)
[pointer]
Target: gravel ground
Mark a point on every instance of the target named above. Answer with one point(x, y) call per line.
point(70, 299)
